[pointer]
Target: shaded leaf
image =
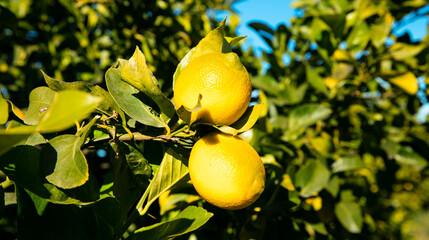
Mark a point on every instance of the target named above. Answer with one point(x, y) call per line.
point(172, 169)
point(186, 221)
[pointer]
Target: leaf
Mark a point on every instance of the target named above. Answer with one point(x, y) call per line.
point(64, 162)
point(186, 221)
point(106, 106)
point(408, 82)
point(4, 111)
point(183, 63)
point(172, 169)
point(266, 83)
point(212, 42)
point(306, 115)
point(7, 141)
point(406, 156)
point(347, 164)
point(68, 107)
point(358, 37)
point(22, 165)
point(315, 80)
point(136, 72)
point(400, 51)
point(312, 178)
point(125, 96)
point(350, 216)
point(245, 122)
point(234, 40)
point(40, 99)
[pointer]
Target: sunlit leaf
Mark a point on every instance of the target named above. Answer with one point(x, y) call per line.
point(408, 82)
point(125, 96)
point(186, 221)
point(347, 164)
point(173, 168)
point(306, 115)
point(136, 72)
point(66, 166)
point(4, 111)
point(245, 122)
point(40, 100)
point(312, 178)
point(350, 216)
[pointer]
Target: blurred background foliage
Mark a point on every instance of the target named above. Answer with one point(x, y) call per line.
point(344, 153)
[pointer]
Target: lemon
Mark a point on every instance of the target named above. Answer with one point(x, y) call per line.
point(226, 171)
point(223, 83)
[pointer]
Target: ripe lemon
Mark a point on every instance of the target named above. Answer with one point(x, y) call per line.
point(226, 171)
point(223, 83)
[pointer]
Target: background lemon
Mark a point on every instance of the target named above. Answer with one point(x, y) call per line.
point(226, 171)
point(223, 83)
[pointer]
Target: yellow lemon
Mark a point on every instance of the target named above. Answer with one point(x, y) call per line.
point(224, 86)
point(226, 171)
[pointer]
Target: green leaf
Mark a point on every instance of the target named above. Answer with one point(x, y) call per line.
point(312, 178)
point(22, 165)
point(125, 96)
point(106, 106)
point(40, 100)
point(407, 156)
point(359, 37)
point(306, 115)
point(172, 169)
point(186, 221)
point(136, 72)
point(67, 107)
point(65, 164)
point(400, 51)
point(266, 83)
point(315, 80)
point(350, 216)
point(245, 122)
point(7, 141)
point(4, 110)
point(347, 164)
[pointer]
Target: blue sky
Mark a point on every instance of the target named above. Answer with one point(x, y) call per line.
point(276, 12)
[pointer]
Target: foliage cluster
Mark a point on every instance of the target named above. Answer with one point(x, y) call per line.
point(345, 157)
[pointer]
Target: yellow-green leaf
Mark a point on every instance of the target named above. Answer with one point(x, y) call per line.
point(136, 72)
point(408, 82)
point(245, 122)
point(4, 111)
point(67, 107)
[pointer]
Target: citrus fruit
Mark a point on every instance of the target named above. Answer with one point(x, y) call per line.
point(224, 86)
point(226, 171)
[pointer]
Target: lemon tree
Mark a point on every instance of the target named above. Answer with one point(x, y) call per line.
point(114, 141)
